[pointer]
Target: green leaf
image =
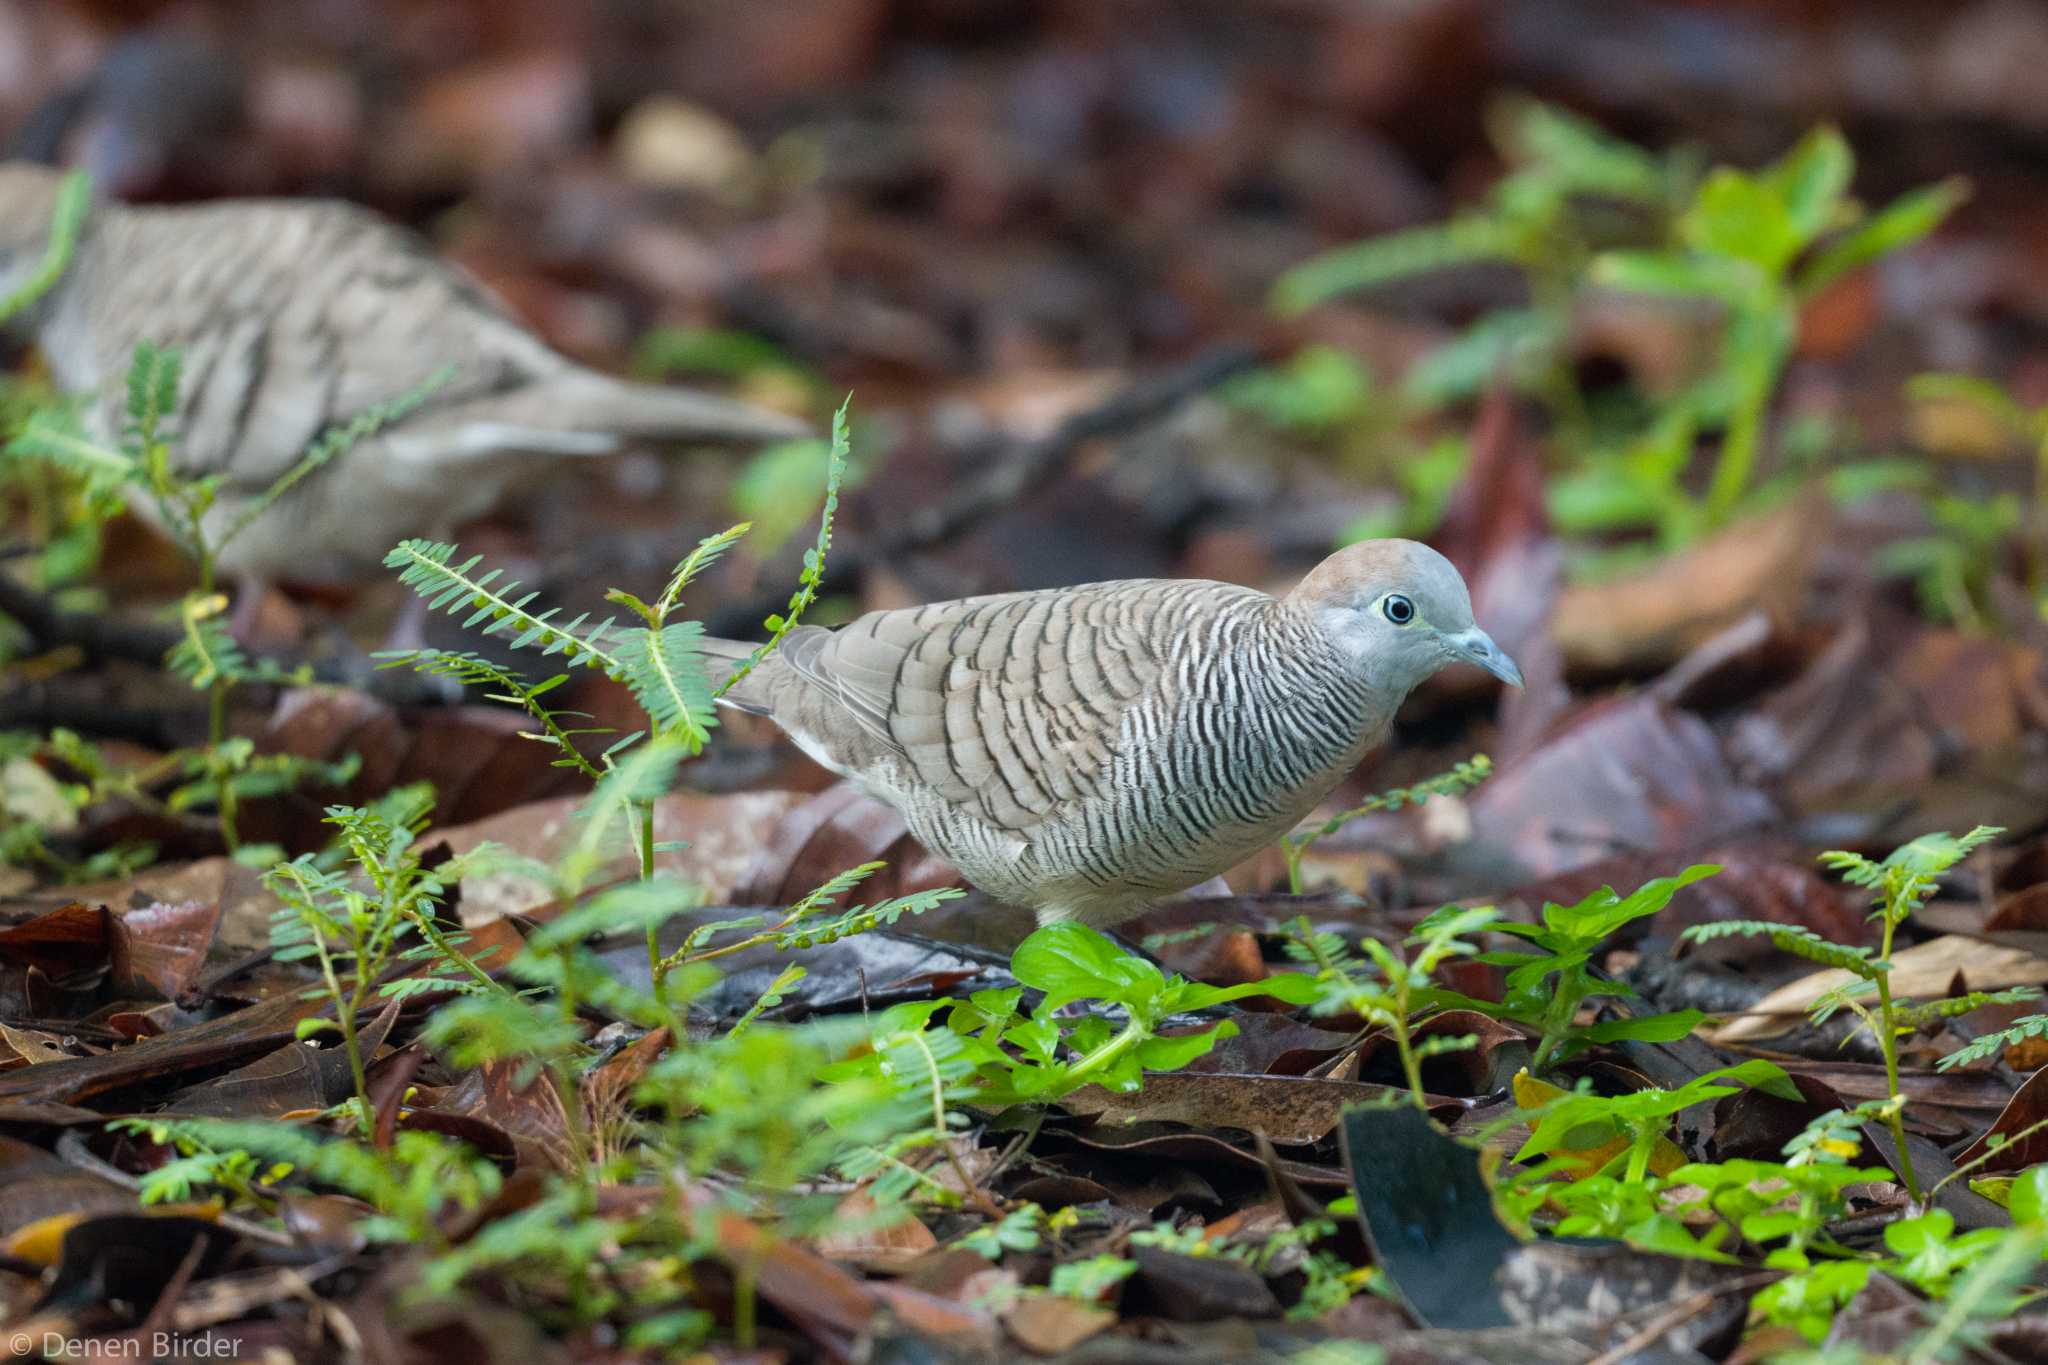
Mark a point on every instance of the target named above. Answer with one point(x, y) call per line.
point(1811, 180)
point(1383, 260)
point(1293, 987)
point(1171, 1054)
point(1654, 1028)
point(1741, 218)
point(1070, 961)
point(1575, 153)
point(1521, 340)
point(2027, 1200)
point(1900, 224)
point(1673, 273)
point(1602, 912)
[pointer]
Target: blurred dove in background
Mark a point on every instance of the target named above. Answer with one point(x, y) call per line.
point(296, 317)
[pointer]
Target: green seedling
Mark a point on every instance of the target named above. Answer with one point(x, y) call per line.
point(1899, 886)
point(1548, 986)
point(1760, 246)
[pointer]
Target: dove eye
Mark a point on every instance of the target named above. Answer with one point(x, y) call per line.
point(1397, 608)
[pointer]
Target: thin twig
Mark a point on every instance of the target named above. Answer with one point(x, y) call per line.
point(1678, 1315)
point(100, 637)
point(1012, 468)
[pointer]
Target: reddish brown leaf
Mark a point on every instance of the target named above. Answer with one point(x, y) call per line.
point(1643, 776)
point(160, 950)
point(2029, 1106)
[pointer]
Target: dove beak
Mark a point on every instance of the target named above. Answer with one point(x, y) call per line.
point(1477, 647)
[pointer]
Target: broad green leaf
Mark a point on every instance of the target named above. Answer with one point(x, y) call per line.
point(1741, 218)
point(2027, 1200)
point(1811, 180)
point(1293, 987)
point(1383, 260)
point(1575, 153)
point(1070, 961)
point(1171, 1054)
point(1654, 1028)
point(1601, 913)
point(1900, 223)
point(1674, 273)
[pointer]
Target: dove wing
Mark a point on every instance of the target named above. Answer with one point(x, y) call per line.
point(1010, 706)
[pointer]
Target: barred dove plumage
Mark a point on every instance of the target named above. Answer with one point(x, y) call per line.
point(297, 316)
point(1085, 751)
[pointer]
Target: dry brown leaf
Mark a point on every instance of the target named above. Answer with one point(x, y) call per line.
point(1925, 970)
point(1049, 1325)
point(27, 1047)
point(859, 1233)
point(1653, 617)
point(720, 834)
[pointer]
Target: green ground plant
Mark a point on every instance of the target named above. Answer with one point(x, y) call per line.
point(1759, 247)
point(1580, 214)
point(1899, 885)
point(1571, 190)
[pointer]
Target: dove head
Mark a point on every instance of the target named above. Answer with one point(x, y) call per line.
point(28, 199)
point(1398, 611)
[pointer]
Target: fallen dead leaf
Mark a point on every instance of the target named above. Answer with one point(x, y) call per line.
point(1924, 970)
point(1049, 1325)
point(859, 1232)
point(719, 835)
point(1652, 618)
point(27, 1047)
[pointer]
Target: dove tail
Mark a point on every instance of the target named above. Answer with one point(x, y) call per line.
point(723, 658)
point(661, 412)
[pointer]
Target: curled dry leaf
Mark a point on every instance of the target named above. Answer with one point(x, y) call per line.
point(2028, 1106)
point(1650, 619)
point(1923, 971)
point(1050, 1325)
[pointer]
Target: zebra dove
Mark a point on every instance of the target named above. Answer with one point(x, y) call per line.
point(294, 317)
point(1085, 751)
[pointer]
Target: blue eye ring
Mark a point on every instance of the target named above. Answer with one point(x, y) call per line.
point(1397, 609)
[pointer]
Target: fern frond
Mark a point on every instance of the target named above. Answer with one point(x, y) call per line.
point(813, 573)
point(1459, 779)
point(1797, 941)
point(425, 567)
point(153, 379)
point(473, 670)
point(207, 653)
point(665, 671)
point(833, 888)
point(1992, 1044)
point(708, 552)
point(768, 999)
point(53, 435)
point(74, 197)
point(1931, 1011)
point(861, 918)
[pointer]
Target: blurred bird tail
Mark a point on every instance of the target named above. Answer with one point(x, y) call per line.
point(723, 658)
point(664, 413)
